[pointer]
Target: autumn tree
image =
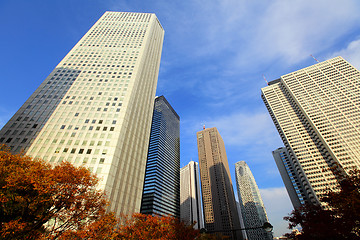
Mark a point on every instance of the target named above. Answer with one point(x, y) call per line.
point(41, 201)
point(144, 227)
point(340, 220)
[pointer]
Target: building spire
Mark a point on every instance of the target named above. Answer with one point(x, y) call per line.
point(314, 58)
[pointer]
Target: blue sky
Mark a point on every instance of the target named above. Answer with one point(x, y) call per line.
point(214, 55)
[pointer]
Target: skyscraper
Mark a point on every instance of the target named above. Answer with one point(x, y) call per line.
point(190, 199)
point(95, 107)
point(161, 194)
point(251, 204)
point(220, 212)
point(316, 111)
point(290, 177)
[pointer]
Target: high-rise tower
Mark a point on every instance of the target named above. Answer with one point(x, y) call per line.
point(161, 194)
point(251, 204)
point(290, 177)
point(190, 199)
point(220, 212)
point(95, 108)
point(316, 111)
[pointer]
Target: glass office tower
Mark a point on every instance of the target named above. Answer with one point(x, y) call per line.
point(161, 195)
point(251, 204)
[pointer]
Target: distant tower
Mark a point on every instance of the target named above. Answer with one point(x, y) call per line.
point(95, 108)
point(161, 195)
point(316, 111)
point(190, 199)
point(290, 177)
point(251, 204)
point(220, 212)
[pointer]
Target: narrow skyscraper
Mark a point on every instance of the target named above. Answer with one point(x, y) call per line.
point(290, 177)
point(95, 108)
point(220, 212)
point(161, 194)
point(251, 204)
point(316, 111)
point(190, 199)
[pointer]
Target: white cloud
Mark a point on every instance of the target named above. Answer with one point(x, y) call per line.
point(246, 129)
point(351, 53)
point(291, 30)
point(277, 205)
point(218, 41)
point(251, 32)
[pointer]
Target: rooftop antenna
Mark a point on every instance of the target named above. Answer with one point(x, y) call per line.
point(265, 79)
point(314, 58)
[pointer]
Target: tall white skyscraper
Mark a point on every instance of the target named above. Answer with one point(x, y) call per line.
point(251, 204)
point(190, 199)
point(95, 108)
point(316, 111)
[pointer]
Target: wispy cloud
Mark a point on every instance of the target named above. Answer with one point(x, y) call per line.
point(246, 128)
point(293, 30)
point(218, 43)
point(277, 205)
point(351, 53)
point(249, 136)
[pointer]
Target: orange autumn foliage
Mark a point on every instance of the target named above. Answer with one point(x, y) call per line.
point(38, 200)
point(144, 227)
point(41, 201)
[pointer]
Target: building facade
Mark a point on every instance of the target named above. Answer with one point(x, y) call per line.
point(316, 112)
point(251, 204)
point(161, 194)
point(220, 212)
point(290, 177)
point(95, 108)
point(190, 199)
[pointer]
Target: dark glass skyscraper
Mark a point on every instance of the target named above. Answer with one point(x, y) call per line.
point(161, 195)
